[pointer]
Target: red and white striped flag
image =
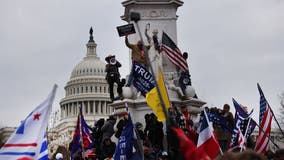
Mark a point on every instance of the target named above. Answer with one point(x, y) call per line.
point(262, 140)
point(174, 54)
point(265, 117)
point(207, 140)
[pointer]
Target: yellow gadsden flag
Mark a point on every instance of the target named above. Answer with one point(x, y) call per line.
point(153, 100)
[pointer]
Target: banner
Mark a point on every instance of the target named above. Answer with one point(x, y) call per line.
point(143, 79)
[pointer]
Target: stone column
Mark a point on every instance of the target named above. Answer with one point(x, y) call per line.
point(100, 106)
point(88, 104)
point(68, 109)
point(73, 105)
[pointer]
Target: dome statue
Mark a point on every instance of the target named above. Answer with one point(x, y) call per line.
point(86, 88)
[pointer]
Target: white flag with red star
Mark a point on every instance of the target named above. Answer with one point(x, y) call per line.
point(29, 140)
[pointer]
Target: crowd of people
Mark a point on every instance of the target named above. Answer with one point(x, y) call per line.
point(157, 146)
point(106, 133)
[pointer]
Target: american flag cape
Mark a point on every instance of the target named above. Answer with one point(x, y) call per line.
point(173, 53)
point(265, 119)
point(29, 140)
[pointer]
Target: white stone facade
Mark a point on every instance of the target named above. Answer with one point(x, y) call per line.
point(161, 16)
point(87, 88)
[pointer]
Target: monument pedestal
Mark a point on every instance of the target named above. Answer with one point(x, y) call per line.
point(138, 107)
point(160, 16)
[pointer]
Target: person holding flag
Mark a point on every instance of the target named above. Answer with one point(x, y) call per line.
point(241, 132)
point(82, 140)
point(207, 140)
point(138, 55)
point(128, 147)
point(179, 59)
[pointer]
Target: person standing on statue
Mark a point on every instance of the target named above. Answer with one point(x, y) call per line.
point(184, 76)
point(112, 75)
point(137, 54)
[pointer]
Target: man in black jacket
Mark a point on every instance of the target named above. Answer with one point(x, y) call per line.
point(112, 75)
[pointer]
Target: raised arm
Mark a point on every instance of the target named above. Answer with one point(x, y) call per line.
point(127, 42)
point(147, 36)
point(118, 64)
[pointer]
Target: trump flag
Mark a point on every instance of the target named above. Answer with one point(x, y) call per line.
point(125, 149)
point(29, 140)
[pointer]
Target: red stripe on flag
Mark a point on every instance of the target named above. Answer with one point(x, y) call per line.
point(176, 57)
point(210, 147)
point(188, 149)
point(21, 145)
point(262, 139)
point(25, 158)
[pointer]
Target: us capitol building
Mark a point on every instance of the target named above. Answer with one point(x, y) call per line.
point(88, 88)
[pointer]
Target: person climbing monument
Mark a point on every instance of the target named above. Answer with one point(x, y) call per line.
point(113, 75)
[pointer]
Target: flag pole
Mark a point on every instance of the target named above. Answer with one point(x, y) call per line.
point(139, 140)
point(148, 62)
point(246, 132)
point(272, 113)
point(80, 130)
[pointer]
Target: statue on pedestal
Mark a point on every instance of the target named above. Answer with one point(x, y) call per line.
point(154, 51)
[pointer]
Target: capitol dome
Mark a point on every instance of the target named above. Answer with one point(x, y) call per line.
point(90, 66)
point(86, 88)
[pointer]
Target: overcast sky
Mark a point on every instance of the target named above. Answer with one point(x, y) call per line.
point(232, 45)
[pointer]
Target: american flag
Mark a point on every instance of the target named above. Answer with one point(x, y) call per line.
point(265, 117)
point(219, 121)
point(174, 54)
point(263, 104)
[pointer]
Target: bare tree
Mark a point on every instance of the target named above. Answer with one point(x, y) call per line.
point(281, 116)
